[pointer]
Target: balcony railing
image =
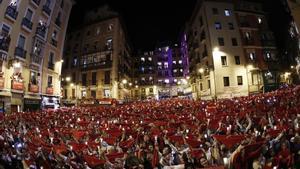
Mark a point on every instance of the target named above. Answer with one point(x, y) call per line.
point(11, 11)
point(51, 66)
point(27, 23)
point(47, 10)
point(41, 31)
point(35, 59)
point(97, 65)
point(20, 52)
point(37, 2)
point(4, 43)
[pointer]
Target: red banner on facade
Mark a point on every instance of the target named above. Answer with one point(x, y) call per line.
point(49, 90)
point(17, 85)
point(34, 88)
point(2, 82)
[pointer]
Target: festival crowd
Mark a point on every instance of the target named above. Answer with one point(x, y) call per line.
point(258, 131)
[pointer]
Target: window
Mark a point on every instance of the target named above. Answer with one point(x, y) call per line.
point(175, 70)
point(224, 60)
point(29, 14)
point(215, 11)
point(73, 93)
point(107, 77)
point(259, 20)
point(247, 35)
point(109, 43)
point(150, 58)
point(98, 31)
point(94, 78)
point(227, 12)
point(230, 26)
point(166, 65)
point(179, 61)
point(142, 59)
point(21, 42)
point(174, 62)
point(201, 86)
point(83, 93)
point(268, 55)
point(51, 58)
point(5, 30)
point(110, 27)
point(226, 81)
point(54, 34)
point(33, 78)
point(221, 41)
point(237, 60)
point(75, 60)
point(208, 84)
point(50, 81)
point(106, 93)
point(150, 90)
point(66, 93)
point(240, 80)
point(93, 94)
point(83, 79)
point(252, 56)
point(181, 70)
point(234, 41)
point(218, 26)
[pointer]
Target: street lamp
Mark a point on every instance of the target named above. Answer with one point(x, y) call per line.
point(68, 79)
point(124, 81)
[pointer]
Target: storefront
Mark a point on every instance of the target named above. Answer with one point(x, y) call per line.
point(32, 103)
point(51, 102)
point(5, 102)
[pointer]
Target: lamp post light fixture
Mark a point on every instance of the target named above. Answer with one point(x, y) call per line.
point(124, 81)
point(68, 79)
point(201, 70)
point(130, 84)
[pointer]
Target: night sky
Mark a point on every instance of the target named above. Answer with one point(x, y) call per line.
point(151, 21)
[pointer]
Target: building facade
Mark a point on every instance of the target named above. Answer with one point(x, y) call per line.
point(97, 60)
point(161, 73)
point(31, 44)
point(225, 49)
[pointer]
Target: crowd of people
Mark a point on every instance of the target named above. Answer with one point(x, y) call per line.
point(259, 131)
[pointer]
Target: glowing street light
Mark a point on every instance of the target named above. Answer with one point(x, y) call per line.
point(68, 79)
point(124, 81)
point(136, 86)
point(201, 70)
point(72, 84)
point(130, 84)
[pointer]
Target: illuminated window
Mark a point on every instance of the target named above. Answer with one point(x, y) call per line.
point(174, 61)
point(143, 79)
point(252, 56)
point(268, 55)
point(159, 63)
point(259, 20)
point(143, 59)
point(180, 61)
point(166, 65)
point(175, 70)
point(110, 27)
point(167, 81)
point(218, 25)
point(150, 58)
point(237, 60)
point(181, 70)
point(227, 12)
point(150, 78)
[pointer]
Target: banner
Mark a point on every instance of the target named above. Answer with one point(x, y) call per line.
point(17, 85)
point(49, 90)
point(34, 88)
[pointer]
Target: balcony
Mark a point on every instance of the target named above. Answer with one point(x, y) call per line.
point(47, 10)
point(54, 42)
point(35, 59)
point(41, 31)
point(11, 12)
point(33, 88)
point(49, 90)
point(4, 43)
point(51, 66)
point(36, 2)
point(16, 85)
point(27, 23)
point(97, 65)
point(20, 52)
